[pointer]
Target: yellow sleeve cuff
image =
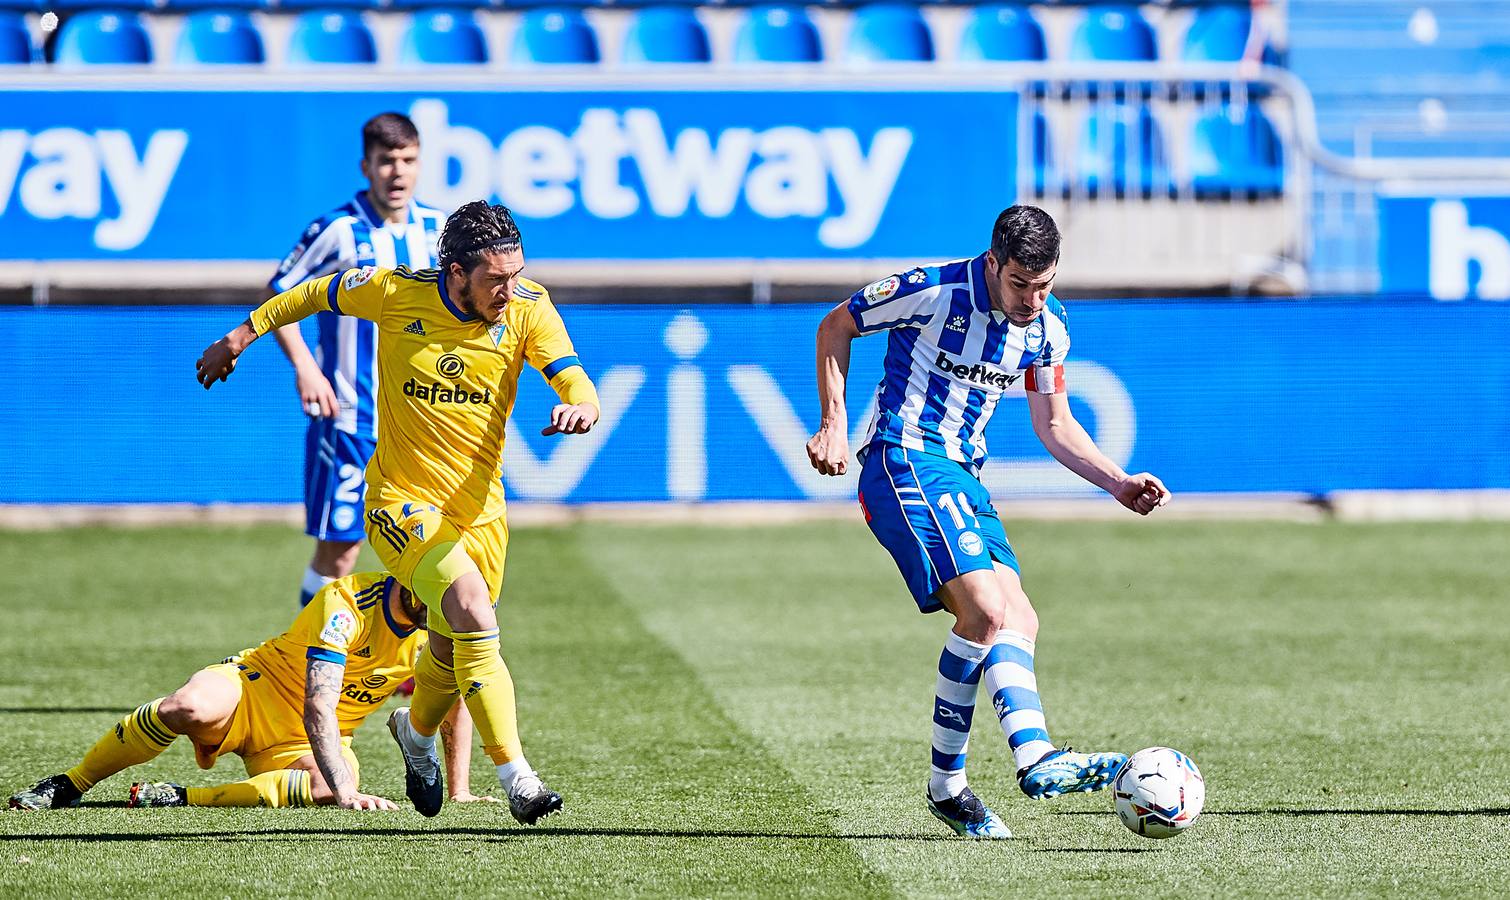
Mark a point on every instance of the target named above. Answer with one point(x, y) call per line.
point(573, 386)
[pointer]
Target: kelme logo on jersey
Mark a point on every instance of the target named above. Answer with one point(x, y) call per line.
point(978, 373)
point(450, 366)
point(436, 394)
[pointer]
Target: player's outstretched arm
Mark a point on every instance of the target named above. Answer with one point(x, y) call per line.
point(218, 360)
point(1066, 440)
point(322, 691)
point(828, 448)
point(316, 397)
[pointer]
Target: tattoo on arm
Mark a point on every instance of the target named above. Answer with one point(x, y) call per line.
point(322, 691)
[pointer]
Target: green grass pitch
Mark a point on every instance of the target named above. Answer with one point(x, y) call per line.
point(744, 711)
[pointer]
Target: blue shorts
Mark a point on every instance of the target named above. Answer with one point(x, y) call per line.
point(335, 466)
point(933, 517)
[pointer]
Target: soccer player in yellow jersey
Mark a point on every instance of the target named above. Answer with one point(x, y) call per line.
point(288, 708)
point(452, 343)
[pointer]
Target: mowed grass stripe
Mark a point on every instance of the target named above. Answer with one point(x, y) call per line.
point(1345, 672)
point(666, 796)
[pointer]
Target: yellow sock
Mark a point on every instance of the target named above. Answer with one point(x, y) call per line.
point(278, 788)
point(434, 693)
point(134, 740)
point(489, 693)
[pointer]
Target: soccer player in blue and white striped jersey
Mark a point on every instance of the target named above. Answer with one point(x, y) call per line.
point(381, 226)
point(959, 336)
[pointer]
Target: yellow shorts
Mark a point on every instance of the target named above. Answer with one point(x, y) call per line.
point(265, 731)
point(403, 533)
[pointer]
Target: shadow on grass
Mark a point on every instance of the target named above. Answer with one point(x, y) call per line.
point(1449, 813)
point(483, 834)
point(53, 710)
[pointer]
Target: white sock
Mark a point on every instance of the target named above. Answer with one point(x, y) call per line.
point(510, 772)
point(1013, 688)
point(313, 582)
point(959, 674)
point(412, 736)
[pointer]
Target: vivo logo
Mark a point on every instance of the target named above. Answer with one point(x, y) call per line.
point(1456, 244)
point(782, 172)
point(71, 170)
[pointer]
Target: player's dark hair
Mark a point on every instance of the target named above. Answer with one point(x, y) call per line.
point(389, 130)
point(1028, 235)
point(474, 230)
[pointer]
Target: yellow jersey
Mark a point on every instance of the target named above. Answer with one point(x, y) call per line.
point(347, 622)
point(446, 380)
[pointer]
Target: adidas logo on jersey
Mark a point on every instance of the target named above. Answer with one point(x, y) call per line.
point(365, 652)
point(415, 327)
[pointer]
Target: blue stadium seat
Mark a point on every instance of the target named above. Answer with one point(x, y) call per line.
point(889, 32)
point(450, 5)
point(1001, 33)
point(15, 40)
point(1114, 33)
point(552, 35)
point(326, 5)
point(331, 36)
point(1218, 34)
point(553, 4)
point(103, 38)
point(66, 6)
point(778, 34)
point(190, 5)
point(666, 34)
point(1121, 152)
point(219, 36)
point(1047, 178)
point(1234, 152)
point(443, 37)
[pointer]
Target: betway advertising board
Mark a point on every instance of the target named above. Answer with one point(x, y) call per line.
point(652, 174)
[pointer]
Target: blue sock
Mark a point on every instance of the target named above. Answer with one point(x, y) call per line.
point(1013, 687)
point(953, 707)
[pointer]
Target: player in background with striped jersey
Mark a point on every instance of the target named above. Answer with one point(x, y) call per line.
point(960, 335)
point(337, 383)
point(381, 226)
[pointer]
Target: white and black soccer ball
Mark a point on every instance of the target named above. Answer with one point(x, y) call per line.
point(1159, 792)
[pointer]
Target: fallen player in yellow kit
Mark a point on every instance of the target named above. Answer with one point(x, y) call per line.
point(288, 708)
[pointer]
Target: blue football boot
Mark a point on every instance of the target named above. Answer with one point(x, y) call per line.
point(969, 817)
point(1067, 771)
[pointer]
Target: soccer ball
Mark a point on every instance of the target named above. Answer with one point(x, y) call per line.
point(1159, 792)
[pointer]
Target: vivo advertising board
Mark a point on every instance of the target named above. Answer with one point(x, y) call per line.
point(606, 174)
point(1449, 247)
point(715, 403)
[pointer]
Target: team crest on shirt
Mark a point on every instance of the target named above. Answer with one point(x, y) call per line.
point(364, 249)
point(1032, 339)
point(970, 544)
point(418, 531)
point(340, 629)
point(358, 277)
point(884, 289)
point(497, 331)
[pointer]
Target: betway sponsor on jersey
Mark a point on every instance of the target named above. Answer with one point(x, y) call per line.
point(978, 373)
point(780, 172)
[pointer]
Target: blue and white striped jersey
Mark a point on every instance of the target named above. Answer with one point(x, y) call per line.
point(950, 357)
point(349, 237)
